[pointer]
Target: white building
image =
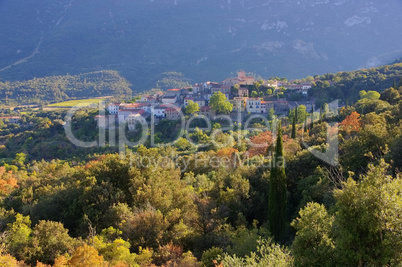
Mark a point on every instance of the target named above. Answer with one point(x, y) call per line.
point(113, 108)
point(255, 105)
point(160, 111)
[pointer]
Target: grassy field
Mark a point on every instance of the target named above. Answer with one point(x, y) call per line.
point(81, 103)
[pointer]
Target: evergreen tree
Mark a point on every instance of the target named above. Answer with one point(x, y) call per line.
point(395, 85)
point(312, 120)
point(277, 192)
point(320, 119)
point(294, 126)
point(305, 124)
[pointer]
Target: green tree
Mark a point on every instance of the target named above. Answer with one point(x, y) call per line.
point(300, 115)
point(271, 114)
point(390, 95)
point(369, 95)
point(18, 237)
point(235, 89)
point(268, 254)
point(269, 91)
point(277, 201)
point(368, 225)
point(113, 248)
point(20, 159)
point(50, 240)
point(256, 85)
point(220, 103)
point(210, 255)
point(293, 136)
point(312, 120)
point(182, 144)
point(313, 245)
point(192, 107)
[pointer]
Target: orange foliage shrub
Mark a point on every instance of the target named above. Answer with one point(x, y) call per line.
point(86, 256)
point(226, 152)
point(260, 143)
point(351, 123)
point(7, 182)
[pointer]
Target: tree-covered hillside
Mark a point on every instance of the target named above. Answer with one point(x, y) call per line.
point(346, 86)
point(61, 88)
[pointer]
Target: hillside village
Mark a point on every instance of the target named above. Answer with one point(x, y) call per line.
point(170, 104)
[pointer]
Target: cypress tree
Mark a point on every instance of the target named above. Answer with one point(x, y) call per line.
point(320, 115)
point(277, 192)
point(305, 124)
point(325, 108)
point(395, 86)
point(293, 136)
point(312, 120)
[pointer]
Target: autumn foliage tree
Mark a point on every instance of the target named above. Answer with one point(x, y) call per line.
point(260, 143)
point(352, 123)
point(86, 256)
point(7, 182)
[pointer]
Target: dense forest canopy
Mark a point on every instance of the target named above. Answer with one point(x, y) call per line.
point(346, 86)
point(61, 88)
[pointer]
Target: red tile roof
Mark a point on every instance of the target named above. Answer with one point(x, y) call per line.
point(11, 117)
point(173, 109)
point(141, 111)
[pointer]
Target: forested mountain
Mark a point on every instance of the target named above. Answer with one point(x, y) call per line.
point(203, 39)
point(345, 86)
point(60, 88)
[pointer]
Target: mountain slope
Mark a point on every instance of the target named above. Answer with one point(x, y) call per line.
point(204, 39)
point(61, 88)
